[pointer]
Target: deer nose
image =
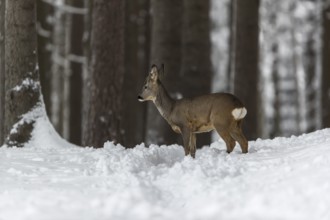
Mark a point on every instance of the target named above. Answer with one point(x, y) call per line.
point(140, 98)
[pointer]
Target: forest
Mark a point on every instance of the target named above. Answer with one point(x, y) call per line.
point(77, 144)
point(85, 62)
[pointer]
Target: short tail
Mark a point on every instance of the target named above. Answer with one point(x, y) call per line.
point(239, 113)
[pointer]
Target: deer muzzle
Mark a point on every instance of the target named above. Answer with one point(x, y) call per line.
point(140, 98)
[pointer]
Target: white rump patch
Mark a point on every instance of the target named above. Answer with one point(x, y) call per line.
point(239, 113)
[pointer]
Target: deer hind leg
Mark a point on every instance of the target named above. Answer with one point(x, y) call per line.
point(225, 135)
point(237, 134)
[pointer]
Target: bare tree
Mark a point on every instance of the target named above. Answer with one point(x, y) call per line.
point(88, 5)
point(326, 65)
point(195, 74)
point(137, 64)
point(2, 68)
point(165, 48)
point(44, 28)
point(104, 114)
point(22, 85)
point(245, 60)
point(310, 66)
point(60, 70)
point(77, 61)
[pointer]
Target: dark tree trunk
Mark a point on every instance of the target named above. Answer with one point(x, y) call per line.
point(136, 66)
point(60, 69)
point(231, 24)
point(245, 58)
point(166, 49)
point(21, 78)
point(76, 96)
point(326, 67)
point(85, 68)
point(311, 79)
point(104, 114)
point(44, 28)
point(196, 66)
point(276, 131)
point(2, 69)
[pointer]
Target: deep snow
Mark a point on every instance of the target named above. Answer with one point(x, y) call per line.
point(284, 178)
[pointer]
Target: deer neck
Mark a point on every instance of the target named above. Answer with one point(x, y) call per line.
point(164, 102)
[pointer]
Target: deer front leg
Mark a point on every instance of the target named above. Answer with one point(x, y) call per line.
point(192, 144)
point(186, 136)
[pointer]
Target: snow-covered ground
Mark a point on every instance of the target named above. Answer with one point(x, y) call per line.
point(284, 178)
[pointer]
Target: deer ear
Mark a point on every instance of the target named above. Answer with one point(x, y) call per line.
point(154, 73)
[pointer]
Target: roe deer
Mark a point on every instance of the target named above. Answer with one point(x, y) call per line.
point(220, 111)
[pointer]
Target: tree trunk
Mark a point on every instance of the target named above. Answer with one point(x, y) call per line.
point(85, 68)
point(311, 79)
point(196, 65)
point(76, 96)
point(104, 116)
point(137, 65)
point(21, 78)
point(326, 66)
point(44, 28)
point(231, 38)
point(245, 58)
point(60, 80)
point(166, 49)
point(2, 68)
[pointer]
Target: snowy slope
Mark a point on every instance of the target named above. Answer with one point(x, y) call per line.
point(284, 178)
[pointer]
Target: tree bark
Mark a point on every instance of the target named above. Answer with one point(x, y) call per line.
point(196, 65)
point(311, 79)
point(2, 69)
point(60, 70)
point(276, 131)
point(166, 49)
point(22, 78)
point(136, 66)
point(326, 66)
point(85, 68)
point(76, 96)
point(104, 115)
point(44, 28)
point(245, 58)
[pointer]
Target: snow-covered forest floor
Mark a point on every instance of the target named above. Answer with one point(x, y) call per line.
point(283, 178)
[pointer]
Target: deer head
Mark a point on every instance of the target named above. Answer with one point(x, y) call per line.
point(151, 86)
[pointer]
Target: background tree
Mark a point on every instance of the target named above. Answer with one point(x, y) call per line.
point(136, 67)
point(77, 60)
point(311, 55)
point(60, 69)
point(196, 68)
point(22, 85)
point(88, 5)
point(326, 65)
point(2, 68)
point(44, 27)
point(245, 60)
point(166, 36)
point(104, 115)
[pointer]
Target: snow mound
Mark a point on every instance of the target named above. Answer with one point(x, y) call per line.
point(283, 178)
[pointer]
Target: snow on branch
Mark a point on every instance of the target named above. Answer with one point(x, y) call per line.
point(76, 58)
point(66, 8)
point(61, 60)
point(43, 32)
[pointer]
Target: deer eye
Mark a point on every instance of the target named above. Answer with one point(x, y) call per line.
point(145, 87)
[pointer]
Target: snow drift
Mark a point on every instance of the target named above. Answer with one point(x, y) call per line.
point(283, 178)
